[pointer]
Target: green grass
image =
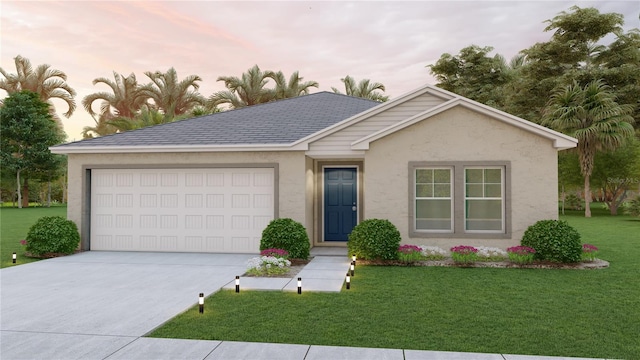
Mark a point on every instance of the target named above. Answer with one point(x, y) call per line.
point(14, 225)
point(585, 313)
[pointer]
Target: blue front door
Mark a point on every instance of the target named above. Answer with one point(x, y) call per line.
point(340, 203)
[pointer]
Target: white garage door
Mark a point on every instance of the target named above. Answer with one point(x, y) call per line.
point(186, 210)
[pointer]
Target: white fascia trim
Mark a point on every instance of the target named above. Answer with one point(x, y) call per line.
point(374, 111)
point(560, 141)
point(172, 148)
point(335, 155)
point(363, 143)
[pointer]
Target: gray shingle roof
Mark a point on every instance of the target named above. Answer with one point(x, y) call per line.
point(278, 122)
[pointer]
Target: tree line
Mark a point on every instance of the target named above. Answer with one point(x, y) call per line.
point(571, 83)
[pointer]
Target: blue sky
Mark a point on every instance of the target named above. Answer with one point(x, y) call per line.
point(386, 41)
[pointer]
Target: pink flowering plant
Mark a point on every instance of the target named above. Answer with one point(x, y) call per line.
point(463, 254)
point(279, 253)
point(521, 254)
point(589, 252)
point(409, 253)
point(23, 242)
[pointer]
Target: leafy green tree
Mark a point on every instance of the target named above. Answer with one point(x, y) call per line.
point(364, 89)
point(27, 132)
point(476, 75)
point(287, 89)
point(615, 172)
point(48, 83)
point(247, 90)
point(125, 101)
point(569, 55)
point(591, 115)
point(171, 95)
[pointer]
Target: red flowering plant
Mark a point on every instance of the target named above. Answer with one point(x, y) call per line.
point(521, 254)
point(409, 253)
point(278, 253)
point(589, 252)
point(463, 254)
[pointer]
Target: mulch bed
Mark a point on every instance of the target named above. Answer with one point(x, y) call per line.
point(595, 264)
point(296, 266)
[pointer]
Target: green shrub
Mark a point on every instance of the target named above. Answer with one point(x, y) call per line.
point(573, 202)
point(286, 234)
point(554, 240)
point(633, 207)
point(52, 234)
point(374, 239)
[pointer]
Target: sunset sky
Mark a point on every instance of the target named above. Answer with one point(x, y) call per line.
point(386, 41)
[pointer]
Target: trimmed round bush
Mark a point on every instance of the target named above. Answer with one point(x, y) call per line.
point(374, 239)
point(286, 234)
point(554, 240)
point(52, 234)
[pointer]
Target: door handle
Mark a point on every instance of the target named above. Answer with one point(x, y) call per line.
point(354, 208)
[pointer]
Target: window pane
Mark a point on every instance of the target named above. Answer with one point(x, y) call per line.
point(474, 175)
point(424, 190)
point(442, 190)
point(433, 214)
point(442, 176)
point(493, 190)
point(474, 190)
point(484, 214)
point(493, 176)
point(424, 176)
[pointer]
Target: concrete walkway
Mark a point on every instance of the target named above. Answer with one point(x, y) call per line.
point(99, 305)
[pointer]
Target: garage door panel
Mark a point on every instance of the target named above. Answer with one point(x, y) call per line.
point(194, 210)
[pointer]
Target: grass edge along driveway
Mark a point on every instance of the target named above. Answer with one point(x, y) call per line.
point(581, 313)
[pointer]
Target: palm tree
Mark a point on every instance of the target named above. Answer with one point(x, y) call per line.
point(364, 89)
point(148, 116)
point(591, 115)
point(47, 82)
point(247, 90)
point(171, 95)
point(125, 101)
point(294, 87)
point(102, 128)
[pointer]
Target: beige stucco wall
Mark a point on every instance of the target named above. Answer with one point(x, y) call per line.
point(294, 193)
point(457, 135)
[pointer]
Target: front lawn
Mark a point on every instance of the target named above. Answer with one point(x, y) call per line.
point(14, 226)
point(584, 313)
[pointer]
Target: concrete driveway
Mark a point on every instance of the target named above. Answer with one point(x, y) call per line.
point(91, 304)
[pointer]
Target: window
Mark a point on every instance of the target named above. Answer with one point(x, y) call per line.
point(433, 200)
point(459, 199)
point(483, 208)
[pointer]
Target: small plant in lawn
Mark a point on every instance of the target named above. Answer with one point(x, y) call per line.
point(486, 253)
point(463, 254)
point(521, 254)
point(633, 207)
point(589, 252)
point(267, 265)
point(279, 253)
point(409, 253)
point(433, 252)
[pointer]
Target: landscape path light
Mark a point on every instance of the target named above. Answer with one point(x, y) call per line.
point(201, 303)
point(348, 281)
point(353, 267)
point(353, 258)
point(14, 257)
point(299, 285)
point(237, 284)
